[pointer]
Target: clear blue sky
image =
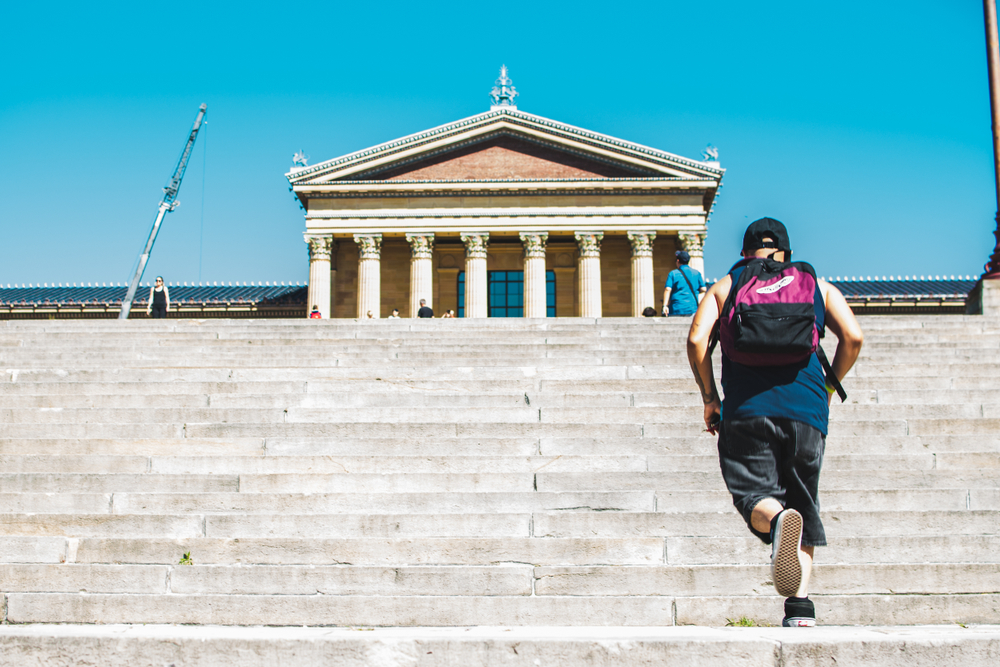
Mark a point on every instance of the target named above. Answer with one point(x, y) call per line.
point(864, 126)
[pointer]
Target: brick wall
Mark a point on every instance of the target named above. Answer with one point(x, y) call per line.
point(560, 257)
point(506, 157)
point(616, 277)
point(395, 275)
point(345, 300)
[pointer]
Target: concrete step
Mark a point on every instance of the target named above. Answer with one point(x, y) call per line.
point(325, 610)
point(839, 442)
point(343, 400)
point(512, 410)
point(371, 503)
point(947, 450)
point(504, 579)
point(707, 463)
point(116, 645)
point(833, 480)
point(860, 522)
point(303, 526)
point(338, 551)
point(117, 483)
point(718, 500)
point(171, 443)
point(159, 389)
point(674, 550)
point(871, 523)
point(938, 389)
point(353, 464)
point(879, 549)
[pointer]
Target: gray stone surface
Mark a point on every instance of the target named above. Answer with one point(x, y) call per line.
point(158, 645)
point(520, 473)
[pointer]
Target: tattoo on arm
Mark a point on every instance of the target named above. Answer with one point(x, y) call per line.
point(707, 395)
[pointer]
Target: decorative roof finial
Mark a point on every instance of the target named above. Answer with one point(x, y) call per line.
point(300, 159)
point(503, 93)
point(710, 154)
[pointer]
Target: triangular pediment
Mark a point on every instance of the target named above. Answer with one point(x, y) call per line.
point(504, 156)
point(504, 145)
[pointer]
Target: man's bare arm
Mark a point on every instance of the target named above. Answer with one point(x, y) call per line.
point(841, 321)
point(666, 300)
point(699, 338)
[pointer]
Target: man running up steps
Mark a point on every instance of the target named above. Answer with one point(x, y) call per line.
point(768, 314)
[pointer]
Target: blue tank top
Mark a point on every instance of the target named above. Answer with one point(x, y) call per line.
point(796, 391)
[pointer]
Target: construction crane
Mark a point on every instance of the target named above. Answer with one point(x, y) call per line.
point(169, 203)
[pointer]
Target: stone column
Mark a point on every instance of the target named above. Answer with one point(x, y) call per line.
point(590, 273)
point(642, 271)
point(421, 271)
point(476, 286)
point(369, 274)
point(694, 244)
point(535, 304)
point(320, 248)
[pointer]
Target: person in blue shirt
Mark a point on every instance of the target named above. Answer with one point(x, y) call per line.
point(680, 296)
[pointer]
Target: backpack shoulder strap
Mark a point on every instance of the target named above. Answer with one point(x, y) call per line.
point(830, 376)
point(688, 281)
point(735, 272)
point(820, 305)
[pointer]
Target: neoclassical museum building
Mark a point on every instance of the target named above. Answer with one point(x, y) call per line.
point(504, 214)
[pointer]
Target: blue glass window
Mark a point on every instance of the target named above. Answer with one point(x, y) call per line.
point(506, 293)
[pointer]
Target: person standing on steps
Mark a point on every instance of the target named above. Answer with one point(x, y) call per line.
point(684, 289)
point(424, 310)
point(159, 300)
point(778, 385)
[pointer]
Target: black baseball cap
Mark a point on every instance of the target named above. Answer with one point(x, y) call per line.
point(753, 238)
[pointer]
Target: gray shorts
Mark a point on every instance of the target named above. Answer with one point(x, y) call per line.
point(767, 457)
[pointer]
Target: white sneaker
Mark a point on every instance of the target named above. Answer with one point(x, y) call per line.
point(786, 566)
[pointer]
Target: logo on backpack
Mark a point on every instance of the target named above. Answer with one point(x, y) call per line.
point(771, 289)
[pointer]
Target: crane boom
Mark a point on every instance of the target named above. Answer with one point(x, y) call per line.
point(167, 204)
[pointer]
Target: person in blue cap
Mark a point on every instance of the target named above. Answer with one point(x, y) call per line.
point(684, 289)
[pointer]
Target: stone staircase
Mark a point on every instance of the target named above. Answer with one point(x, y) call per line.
point(468, 473)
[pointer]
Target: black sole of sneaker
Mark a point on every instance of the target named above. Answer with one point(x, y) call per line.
point(787, 567)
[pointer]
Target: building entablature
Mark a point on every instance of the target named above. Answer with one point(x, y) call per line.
point(458, 187)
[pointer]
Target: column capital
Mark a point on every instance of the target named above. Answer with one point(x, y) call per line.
point(642, 243)
point(320, 246)
point(693, 243)
point(534, 244)
point(590, 243)
point(421, 245)
point(476, 244)
point(370, 245)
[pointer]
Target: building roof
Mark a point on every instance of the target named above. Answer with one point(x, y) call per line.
point(954, 288)
point(179, 294)
point(957, 287)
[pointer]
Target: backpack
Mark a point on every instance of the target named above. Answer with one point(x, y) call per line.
point(770, 317)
